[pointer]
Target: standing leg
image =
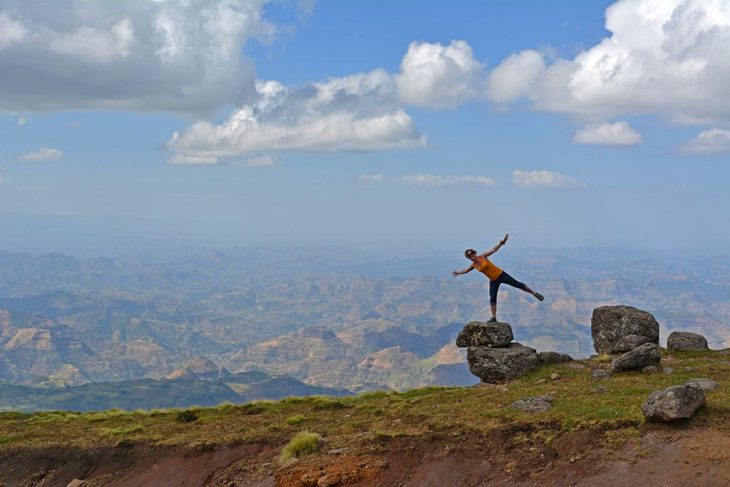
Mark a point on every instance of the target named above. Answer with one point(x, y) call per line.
point(493, 288)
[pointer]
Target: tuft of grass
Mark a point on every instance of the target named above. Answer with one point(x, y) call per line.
point(603, 358)
point(295, 420)
point(186, 416)
point(4, 440)
point(303, 443)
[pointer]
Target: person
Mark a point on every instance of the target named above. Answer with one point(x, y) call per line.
point(496, 275)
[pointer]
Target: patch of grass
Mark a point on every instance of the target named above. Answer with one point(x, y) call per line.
point(295, 420)
point(603, 358)
point(137, 428)
point(302, 444)
point(4, 440)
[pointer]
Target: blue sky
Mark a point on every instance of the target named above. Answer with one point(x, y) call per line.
point(431, 124)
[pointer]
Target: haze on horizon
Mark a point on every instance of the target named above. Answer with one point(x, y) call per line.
point(174, 124)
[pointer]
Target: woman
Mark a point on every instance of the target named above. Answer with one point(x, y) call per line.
point(496, 275)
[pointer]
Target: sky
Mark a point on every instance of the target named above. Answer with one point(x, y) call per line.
point(417, 124)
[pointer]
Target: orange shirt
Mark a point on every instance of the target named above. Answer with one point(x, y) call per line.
point(486, 267)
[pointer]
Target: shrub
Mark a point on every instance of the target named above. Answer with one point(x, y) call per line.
point(303, 443)
point(187, 416)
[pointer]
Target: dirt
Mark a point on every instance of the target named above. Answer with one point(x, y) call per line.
point(518, 456)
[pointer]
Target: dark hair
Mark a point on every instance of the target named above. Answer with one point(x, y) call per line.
point(469, 251)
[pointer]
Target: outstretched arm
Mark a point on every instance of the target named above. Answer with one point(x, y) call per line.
point(464, 271)
point(496, 247)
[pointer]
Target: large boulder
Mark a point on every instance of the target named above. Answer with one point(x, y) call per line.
point(496, 365)
point(638, 358)
point(480, 334)
point(673, 403)
point(611, 323)
point(686, 341)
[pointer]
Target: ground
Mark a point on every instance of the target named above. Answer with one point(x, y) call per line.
point(594, 435)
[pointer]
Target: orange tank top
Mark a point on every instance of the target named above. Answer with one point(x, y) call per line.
point(486, 267)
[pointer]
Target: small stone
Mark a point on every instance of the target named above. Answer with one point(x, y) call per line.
point(554, 376)
point(599, 390)
point(540, 381)
point(707, 385)
point(650, 369)
point(598, 374)
point(329, 480)
point(668, 370)
point(337, 451)
point(536, 404)
point(75, 483)
point(673, 403)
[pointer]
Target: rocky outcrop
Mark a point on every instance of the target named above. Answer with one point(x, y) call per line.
point(480, 334)
point(638, 358)
point(610, 324)
point(200, 368)
point(686, 341)
point(673, 403)
point(495, 365)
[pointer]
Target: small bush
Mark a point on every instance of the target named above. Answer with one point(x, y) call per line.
point(187, 416)
point(329, 404)
point(303, 443)
point(295, 420)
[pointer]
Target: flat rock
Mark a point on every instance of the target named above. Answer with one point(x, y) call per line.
point(686, 341)
point(554, 357)
point(494, 365)
point(629, 342)
point(537, 404)
point(638, 358)
point(707, 385)
point(482, 334)
point(650, 369)
point(598, 374)
point(609, 324)
point(673, 403)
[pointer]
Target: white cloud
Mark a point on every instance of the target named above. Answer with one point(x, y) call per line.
point(433, 181)
point(437, 76)
point(43, 154)
point(666, 57)
point(708, 142)
point(181, 56)
point(514, 77)
point(617, 133)
point(356, 113)
point(370, 178)
point(12, 31)
point(544, 179)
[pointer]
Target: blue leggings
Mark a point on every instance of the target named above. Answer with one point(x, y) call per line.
point(506, 279)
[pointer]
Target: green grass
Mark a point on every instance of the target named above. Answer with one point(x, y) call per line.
point(346, 422)
point(302, 444)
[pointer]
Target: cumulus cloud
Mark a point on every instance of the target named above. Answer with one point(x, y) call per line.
point(708, 142)
point(438, 76)
point(544, 179)
point(617, 133)
point(514, 77)
point(434, 181)
point(356, 113)
point(666, 57)
point(180, 56)
point(370, 178)
point(43, 154)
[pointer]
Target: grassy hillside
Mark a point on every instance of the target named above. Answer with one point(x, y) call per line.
point(367, 424)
